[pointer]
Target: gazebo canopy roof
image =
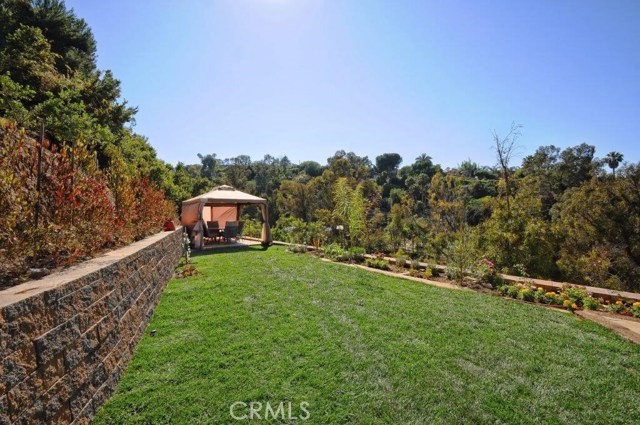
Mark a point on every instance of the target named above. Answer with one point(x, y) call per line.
point(225, 195)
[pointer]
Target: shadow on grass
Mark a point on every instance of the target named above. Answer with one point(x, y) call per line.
point(227, 250)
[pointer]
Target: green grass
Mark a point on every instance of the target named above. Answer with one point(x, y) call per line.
point(265, 325)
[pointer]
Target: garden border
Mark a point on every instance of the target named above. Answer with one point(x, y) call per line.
point(604, 293)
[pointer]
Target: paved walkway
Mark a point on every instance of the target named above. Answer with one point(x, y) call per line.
point(625, 326)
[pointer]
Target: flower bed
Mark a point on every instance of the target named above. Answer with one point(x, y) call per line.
point(570, 297)
point(484, 277)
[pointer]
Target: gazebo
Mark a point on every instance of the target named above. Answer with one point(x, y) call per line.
point(222, 204)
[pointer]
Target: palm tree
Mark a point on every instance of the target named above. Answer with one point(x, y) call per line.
point(613, 159)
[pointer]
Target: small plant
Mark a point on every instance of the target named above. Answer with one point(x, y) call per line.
point(569, 305)
point(297, 249)
point(415, 264)
point(377, 264)
point(187, 271)
point(401, 261)
point(591, 303)
point(335, 252)
point(428, 272)
point(415, 273)
point(356, 254)
point(526, 294)
point(539, 295)
point(519, 270)
point(485, 271)
point(513, 291)
point(186, 248)
point(635, 309)
point(576, 294)
point(617, 307)
point(551, 297)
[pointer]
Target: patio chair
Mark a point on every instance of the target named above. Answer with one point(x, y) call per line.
point(214, 229)
point(206, 234)
point(230, 230)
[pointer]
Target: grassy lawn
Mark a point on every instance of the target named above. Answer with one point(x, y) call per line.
point(362, 348)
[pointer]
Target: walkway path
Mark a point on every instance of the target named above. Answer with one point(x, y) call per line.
point(625, 326)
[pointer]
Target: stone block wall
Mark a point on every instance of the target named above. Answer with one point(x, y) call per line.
point(66, 339)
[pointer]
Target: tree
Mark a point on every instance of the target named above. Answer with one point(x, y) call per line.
point(209, 168)
point(387, 163)
point(292, 200)
point(599, 227)
point(505, 147)
point(520, 237)
point(613, 160)
point(344, 164)
point(311, 168)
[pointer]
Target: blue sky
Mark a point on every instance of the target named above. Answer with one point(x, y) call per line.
point(304, 78)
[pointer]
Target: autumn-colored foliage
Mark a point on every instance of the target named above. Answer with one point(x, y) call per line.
point(81, 211)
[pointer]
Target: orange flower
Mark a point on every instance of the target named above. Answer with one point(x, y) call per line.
point(566, 303)
point(618, 302)
point(636, 304)
point(574, 306)
point(564, 295)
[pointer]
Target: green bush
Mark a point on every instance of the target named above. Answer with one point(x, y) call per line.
point(377, 264)
point(252, 228)
point(591, 303)
point(356, 254)
point(335, 252)
point(513, 291)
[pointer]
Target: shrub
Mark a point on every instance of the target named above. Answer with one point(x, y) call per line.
point(485, 271)
point(513, 291)
point(377, 264)
point(415, 273)
point(576, 294)
point(461, 257)
point(297, 249)
point(81, 208)
point(591, 303)
point(401, 261)
point(335, 252)
point(635, 309)
point(252, 228)
point(356, 254)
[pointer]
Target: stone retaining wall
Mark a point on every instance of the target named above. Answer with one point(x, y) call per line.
point(66, 339)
